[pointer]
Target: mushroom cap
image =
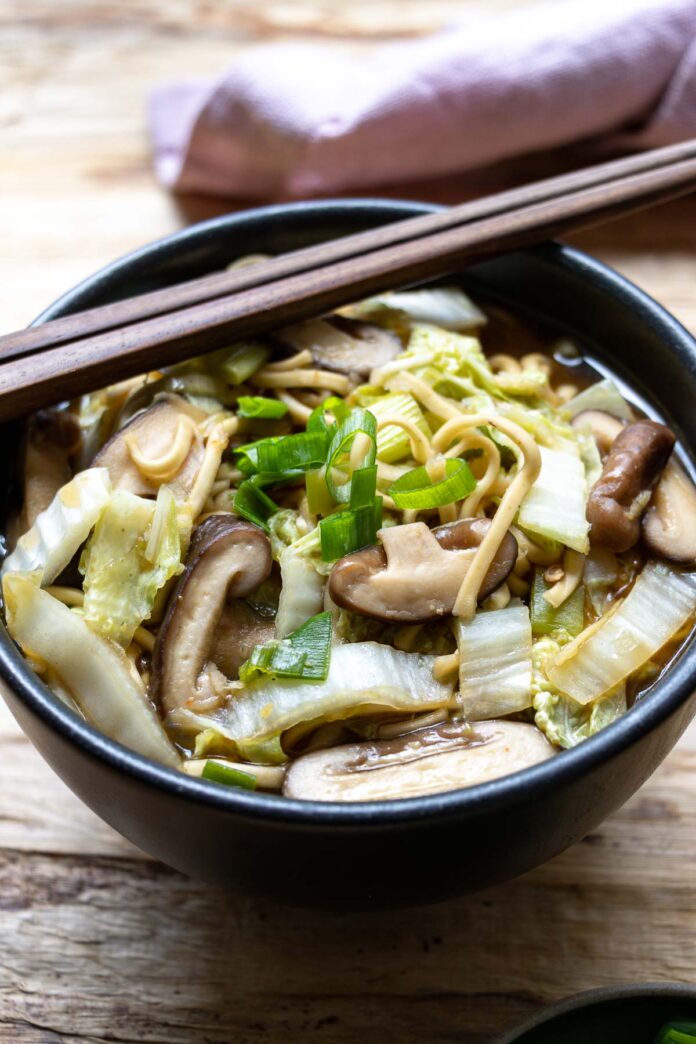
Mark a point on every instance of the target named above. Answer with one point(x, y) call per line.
point(669, 524)
point(228, 559)
point(51, 438)
point(416, 573)
point(443, 757)
point(239, 630)
point(621, 494)
point(153, 430)
point(348, 346)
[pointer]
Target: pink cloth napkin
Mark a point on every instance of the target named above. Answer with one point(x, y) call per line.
point(300, 120)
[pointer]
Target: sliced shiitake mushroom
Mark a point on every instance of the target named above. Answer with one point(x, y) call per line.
point(240, 628)
point(669, 524)
point(153, 432)
point(621, 494)
point(52, 438)
point(205, 624)
point(443, 757)
point(415, 574)
point(343, 345)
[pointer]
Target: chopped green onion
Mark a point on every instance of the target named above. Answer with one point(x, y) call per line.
point(677, 1033)
point(252, 503)
point(416, 490)
point(359, 423)
point(319, 500)
point(333, 404)
point(348, 531)
point(283, 453)
point(243, 360)
point(363, 488)
point(305, 653)
point(569, 617)
point(230, 777)
point(258, 406)
point(276, 478)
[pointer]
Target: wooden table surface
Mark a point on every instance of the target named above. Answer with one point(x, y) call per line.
point(100, 943)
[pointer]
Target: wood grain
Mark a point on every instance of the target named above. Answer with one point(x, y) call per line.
point(114, 947)
point(99, 943)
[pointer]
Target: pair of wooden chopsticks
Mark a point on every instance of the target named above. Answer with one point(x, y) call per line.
point(70, 356)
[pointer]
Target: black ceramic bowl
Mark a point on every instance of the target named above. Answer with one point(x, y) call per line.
point(618, 1015)
point(420, 849)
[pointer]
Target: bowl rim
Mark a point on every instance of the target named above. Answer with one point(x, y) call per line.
point(670, 693)
point(599, 995)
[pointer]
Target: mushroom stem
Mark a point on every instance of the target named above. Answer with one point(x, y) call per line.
point(569, 580)
point(416, 573)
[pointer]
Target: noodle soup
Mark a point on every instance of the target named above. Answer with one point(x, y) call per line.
point(401, 549)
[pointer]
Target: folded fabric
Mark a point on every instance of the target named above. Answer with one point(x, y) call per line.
point(299, 120)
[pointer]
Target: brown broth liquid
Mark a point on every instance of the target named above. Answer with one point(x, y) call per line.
point(506, 333)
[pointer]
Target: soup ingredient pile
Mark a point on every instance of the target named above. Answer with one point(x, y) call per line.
point(363, 558)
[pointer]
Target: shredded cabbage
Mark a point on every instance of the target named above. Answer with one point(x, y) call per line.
point(658, 605)
point(62, 528)
point(600, 574)
point(527, 383)
point(445, 306)
point(393, 443)
point(544, 653)
point(361, 677)
point(95, 671)
point(134, 550)
point(285, 527)
point(563, 720)
point(555, 505)
point(544, 424)
point(302, 591)
point(566, 723)
point(451, 363)
point(605, 396)
point(589, 455)
point(495, 662)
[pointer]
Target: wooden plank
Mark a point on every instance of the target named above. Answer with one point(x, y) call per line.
point(97, 942)
point(38, 813)
point(79, 934)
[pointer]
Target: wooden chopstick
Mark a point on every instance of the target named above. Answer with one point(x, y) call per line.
point(222, 284)
point(30, 382)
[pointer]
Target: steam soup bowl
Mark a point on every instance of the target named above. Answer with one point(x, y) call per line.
point(420, 849)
